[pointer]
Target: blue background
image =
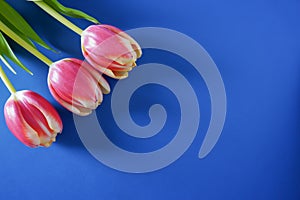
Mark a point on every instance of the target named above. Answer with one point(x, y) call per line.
point(256, 47)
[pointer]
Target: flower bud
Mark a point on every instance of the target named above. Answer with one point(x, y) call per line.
point(110, 50)
point(76, 85)
point(32, 119)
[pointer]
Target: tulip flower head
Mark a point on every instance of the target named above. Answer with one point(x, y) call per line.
point(110, 50)
point(76, 85)
point(32, 119)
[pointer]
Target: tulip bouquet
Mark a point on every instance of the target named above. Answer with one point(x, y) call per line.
point(76, 84)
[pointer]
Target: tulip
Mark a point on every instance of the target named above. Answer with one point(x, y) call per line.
point(32, 119)
point(110, 50)
point(76, 85)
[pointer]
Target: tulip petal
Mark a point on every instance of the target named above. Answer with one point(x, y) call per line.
point(69, 106)
point(123, 34)
point(17, 124)
point(102, 63)
point(122, 55)
point(120, 75)
point(70, 86)
point(105, 88)
point(76, 85)
point(110, 50)
point(99, 68)
point(47, 110)
point(32, 119)
point(104, 42)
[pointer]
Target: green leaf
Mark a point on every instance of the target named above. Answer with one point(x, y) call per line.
point(5, 29)
point(70, 11)
point(4, 60)
point(6, 51)
point(14, 29)
point(15, 19)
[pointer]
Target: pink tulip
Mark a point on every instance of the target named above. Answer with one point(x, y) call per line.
point(110, 50)
point(76, 85)
point(32, 119)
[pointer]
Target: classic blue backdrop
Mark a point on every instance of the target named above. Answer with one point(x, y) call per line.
point(256, 47)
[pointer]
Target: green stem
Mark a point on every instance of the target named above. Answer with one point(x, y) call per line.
point(6, 81)
point(5, 29)
point(58, 16)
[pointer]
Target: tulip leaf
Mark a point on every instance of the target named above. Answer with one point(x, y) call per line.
point(10, 15)
point(4, 60)
point(70, 11)
point(14, 29)
point(6, 52)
